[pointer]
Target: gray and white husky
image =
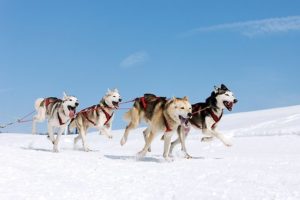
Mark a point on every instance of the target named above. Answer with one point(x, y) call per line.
point(99, 116)
point(206, 117)
point(58, 112)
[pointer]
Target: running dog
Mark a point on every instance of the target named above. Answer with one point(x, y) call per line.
point(161, 115)
point(99, 116)
point(206, 117)
point(58, 112)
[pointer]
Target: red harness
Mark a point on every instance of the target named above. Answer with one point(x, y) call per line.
point(215, 117)
point(168, 129)
point(49, 101)
point(144, 103)
point(96, 107)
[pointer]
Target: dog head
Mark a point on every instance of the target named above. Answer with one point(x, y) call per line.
point(181, 109)
point(225, 98)
point(70, 104)
point(112, 98)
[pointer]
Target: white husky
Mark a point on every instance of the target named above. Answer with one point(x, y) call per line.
point(58, 112)
point(99, 116)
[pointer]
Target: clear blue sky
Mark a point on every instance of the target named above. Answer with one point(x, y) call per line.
point(170, 48)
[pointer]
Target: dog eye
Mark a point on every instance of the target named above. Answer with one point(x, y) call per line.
point(114, 96)
point(227, 94)
point(182, 107)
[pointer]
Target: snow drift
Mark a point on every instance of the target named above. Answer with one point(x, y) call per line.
point(264, 163)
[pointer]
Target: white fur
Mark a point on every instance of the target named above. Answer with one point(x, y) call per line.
point(53, 121)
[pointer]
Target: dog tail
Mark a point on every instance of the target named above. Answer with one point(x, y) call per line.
point(38, 103)
point(127, 116)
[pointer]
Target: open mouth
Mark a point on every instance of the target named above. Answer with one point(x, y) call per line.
point(116, 104)
point(183, 120)
point(72, 111)
point(228, 105)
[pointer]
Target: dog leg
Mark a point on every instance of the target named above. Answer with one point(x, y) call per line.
point(182, 138)
point(167, 143)
point(76, 140)
point(82, 133)
point(147, 144)
point(50, 133)
point(146, 134)
point(134, 117)
point(106, 131)
point(55, 144)
point(221, 137)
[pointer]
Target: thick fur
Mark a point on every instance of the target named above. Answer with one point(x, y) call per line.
point(220, 99)
point(160, 114)
point(56, 111)
point(95, 117)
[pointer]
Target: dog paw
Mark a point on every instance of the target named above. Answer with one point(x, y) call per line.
point(110, 136)
point(86, 149)
point(123, 141)
point(55, 150)
point(187, 156)
point(141, 154)
point(169, 159)
point(206, 139)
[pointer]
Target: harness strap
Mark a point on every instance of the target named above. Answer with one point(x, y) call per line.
point(108, 117)
point(60, 120)
point(143, 101)
point(48, 101)
point(215, 117)
point(87, 118)
point(168, 129)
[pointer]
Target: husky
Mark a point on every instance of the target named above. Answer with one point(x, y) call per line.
point(161, 115)
point(206, 117)
point(58, 112)
point(99, 116)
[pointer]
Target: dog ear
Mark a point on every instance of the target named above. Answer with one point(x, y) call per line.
point(216, 89)
point(186, 98)
point(223, 87)
point(108, 90)
point(174, 98)
point(116, 90)
point(65, 95)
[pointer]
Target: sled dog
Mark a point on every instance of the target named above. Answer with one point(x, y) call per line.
point(161, 115)
point(58, 112)
point(99, 116)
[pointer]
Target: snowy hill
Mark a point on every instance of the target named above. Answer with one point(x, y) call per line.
point(263, 163)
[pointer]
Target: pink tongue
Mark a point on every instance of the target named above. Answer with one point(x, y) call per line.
point(71, 114)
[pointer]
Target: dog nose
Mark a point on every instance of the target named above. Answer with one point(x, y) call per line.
point(76, 104)
point(190, 115)
point(120, 100)
point(235, 101)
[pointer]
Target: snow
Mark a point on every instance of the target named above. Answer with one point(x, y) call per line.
point(263, 163)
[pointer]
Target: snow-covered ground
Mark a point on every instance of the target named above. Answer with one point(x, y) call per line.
point(263, 163)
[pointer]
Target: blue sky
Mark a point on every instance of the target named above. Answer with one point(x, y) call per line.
point(170, 48)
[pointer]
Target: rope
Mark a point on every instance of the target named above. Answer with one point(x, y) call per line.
point(127, 101)
point(200, 110)
point(21, 120)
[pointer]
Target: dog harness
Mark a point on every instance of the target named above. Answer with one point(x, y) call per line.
point(53, 100)
point(215, 117)
point(96, 107)
point(168, 129)
point(144, 104)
